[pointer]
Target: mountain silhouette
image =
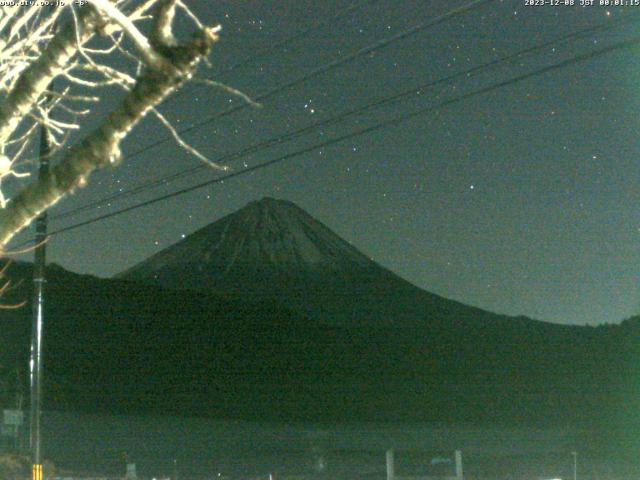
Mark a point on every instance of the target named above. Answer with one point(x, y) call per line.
point(273, 249)
point(267, 314)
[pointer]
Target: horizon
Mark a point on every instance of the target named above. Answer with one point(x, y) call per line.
point(270, 199)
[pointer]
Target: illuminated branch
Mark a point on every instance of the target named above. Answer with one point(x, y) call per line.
point(102, 147)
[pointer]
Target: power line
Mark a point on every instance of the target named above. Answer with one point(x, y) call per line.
point(363, 51)
point(388, 123)
point(337, 118)
point(276, 46)
point(379, 45)
point(265, 52)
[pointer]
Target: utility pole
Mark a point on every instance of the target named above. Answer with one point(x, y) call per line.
point(35, 362)
point(575, 465)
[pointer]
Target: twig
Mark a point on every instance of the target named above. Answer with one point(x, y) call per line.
point(184, 144)
point(228, 89)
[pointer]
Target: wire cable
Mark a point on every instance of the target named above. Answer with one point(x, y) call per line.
point(469, 73)
point(296, 36)
point(379, 45)
point(265, 52)
point(388, 123)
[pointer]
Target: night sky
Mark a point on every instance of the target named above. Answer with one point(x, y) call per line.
point(522, 200)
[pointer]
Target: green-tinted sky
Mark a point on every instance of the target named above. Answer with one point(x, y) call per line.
point(523, 200)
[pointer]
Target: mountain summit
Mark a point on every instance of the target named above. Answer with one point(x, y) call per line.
point(266, 234)
point(274, 248)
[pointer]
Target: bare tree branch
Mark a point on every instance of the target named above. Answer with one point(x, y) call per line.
point(127, 25)
point(102, 147)
point(192, 150)
point(35, 80)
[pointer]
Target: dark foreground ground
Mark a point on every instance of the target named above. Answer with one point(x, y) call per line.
point(101, 445)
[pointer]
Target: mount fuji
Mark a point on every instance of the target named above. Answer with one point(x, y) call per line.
point(418, 348)
point(268, 314)
point(272, 248)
